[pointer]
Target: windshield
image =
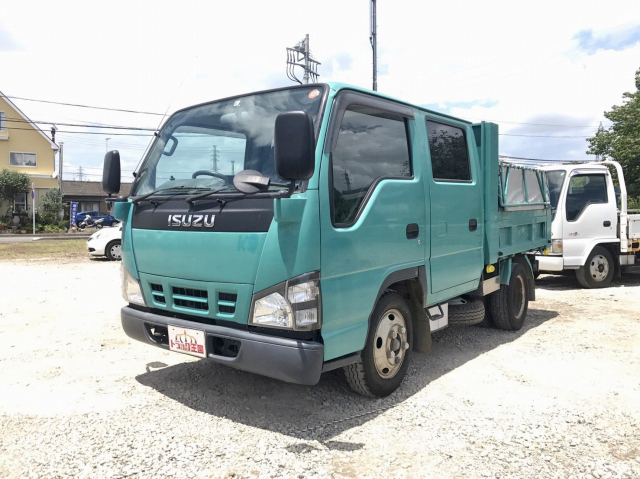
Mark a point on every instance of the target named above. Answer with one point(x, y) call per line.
point(556, 180)
point(203, 147)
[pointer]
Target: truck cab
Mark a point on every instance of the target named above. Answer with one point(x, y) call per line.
point(299, 230)
point(590, 233)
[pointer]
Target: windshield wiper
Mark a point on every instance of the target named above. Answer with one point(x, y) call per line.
point(159, 190)
point(193, 198)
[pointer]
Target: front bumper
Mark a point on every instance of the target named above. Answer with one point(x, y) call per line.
point(286, 359)
point(550, 263)
point(94, 250)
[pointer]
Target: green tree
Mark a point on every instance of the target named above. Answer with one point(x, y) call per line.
point(13, 183)
point(621, 141)
point(51, 206)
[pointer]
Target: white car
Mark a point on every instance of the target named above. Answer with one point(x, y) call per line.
point(106, 242)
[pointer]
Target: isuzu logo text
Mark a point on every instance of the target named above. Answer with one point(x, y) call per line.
point(197, 221)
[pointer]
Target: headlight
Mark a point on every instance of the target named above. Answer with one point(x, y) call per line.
point(556, 246)
point(273, 310)
point(294, 304)
point(131, 291)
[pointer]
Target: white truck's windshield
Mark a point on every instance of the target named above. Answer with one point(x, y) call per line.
point(556, 179)
point(205, 146)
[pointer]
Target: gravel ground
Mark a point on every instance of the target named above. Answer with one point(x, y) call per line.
point(561, 398)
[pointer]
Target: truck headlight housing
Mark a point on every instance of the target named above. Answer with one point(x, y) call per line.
point(131, 291)
point(556, 246)
point(294, 304)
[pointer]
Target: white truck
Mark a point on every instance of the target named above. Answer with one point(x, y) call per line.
point(589, 233)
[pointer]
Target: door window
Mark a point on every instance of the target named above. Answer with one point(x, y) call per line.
point(372, 145)
point(449, 152)
point(585, 190)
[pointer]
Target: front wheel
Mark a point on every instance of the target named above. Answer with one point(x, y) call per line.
point(598, 271)
point(509, 305)
point(385, 358)
point(113, 250)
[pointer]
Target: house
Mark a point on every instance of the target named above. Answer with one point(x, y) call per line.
point(88, 195)
point(26, 148)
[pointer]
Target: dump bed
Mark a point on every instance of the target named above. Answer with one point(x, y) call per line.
point(516, 201)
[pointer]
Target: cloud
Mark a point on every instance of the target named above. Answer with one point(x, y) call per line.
point(7, 43)
point(495, 60)
point(548, 136)
point(620, 40)
point(339, 62)
point(447, 106)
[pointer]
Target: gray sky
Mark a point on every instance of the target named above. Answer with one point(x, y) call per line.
point(512, 62)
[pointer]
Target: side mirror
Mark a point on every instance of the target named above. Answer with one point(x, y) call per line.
point(294, 145)
point(111, 173)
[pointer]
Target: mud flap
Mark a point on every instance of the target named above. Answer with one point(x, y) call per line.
point(421, 325)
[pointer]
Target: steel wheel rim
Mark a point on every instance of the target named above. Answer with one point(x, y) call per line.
point(116, 251)
point(390, 344)
point(599, 268)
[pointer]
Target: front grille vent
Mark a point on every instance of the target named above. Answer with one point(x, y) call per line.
point(227, 303)
point(158, 293)
point(189, 298)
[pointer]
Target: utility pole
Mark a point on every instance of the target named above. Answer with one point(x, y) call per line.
point(373, 38)
point(300, 56)
point(599, 157)
point(305, 78)
point(107, 142)
point(80, 173)
point(214, 158)
point(233, 167)
point(347, 180)
point(60, 160)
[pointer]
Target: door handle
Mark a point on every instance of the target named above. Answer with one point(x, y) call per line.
point(606, 223)
point(412, 230)
point(473, 224)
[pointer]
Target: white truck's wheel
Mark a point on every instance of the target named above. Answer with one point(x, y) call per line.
point(598, 271)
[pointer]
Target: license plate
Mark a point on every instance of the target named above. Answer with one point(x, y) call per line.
point(188, 341)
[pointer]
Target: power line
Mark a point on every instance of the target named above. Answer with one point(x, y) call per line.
point(115, 127)
point(543, 160)
point(82, 106)
point(534, 124)
point(545, 136)
point(85, 132)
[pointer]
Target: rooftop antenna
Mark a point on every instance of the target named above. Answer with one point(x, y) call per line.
point(300, 56)
point(373, 38)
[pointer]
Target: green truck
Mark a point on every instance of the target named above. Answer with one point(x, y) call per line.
point(299, 230)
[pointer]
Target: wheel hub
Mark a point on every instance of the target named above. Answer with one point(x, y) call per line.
point(391, 343)
point(116, 251)
point(599, 268)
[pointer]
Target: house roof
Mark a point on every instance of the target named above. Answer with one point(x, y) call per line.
point(12, 105)
point(89, 188)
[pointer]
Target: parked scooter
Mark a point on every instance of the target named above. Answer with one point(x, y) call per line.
point(86, 222)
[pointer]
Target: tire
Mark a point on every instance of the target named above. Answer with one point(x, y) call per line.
point(509, 305)
point(467, 314)
point(113, 250)
point(376, 374)
point(598, 271)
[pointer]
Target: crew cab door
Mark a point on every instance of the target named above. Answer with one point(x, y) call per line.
point(372, 213)
point(455, 199)
point(590, 214)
